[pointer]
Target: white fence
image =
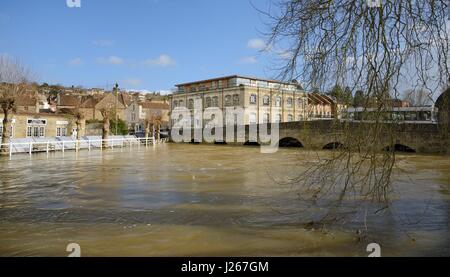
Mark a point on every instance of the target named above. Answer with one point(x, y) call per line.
point(34, 145)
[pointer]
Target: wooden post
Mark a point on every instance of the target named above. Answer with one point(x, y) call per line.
point(31, 147)
point(89, 145)
point(10, 148)
point(63, 146)
point(47, 146)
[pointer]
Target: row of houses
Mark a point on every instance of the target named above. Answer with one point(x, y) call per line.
point(37, 115)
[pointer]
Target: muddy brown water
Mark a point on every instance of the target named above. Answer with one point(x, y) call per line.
point(202, 200)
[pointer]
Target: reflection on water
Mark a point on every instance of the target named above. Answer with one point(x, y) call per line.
point(202, 200)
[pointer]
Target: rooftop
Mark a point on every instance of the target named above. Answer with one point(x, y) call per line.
point(234, 76)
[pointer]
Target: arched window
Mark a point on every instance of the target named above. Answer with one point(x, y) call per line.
point(290, 118)
point(266, 100)
point(175, 103)
point(266, 118)
point(236, 100)
point(278, 101)
point(289, 102)
point(191, 103)
point(215, 101)
point(228, 101)
point(278, 118)
point(208, 102)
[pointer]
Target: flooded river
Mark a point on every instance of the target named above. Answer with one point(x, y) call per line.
point(202, 200)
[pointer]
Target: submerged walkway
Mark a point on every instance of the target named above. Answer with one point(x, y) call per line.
point(34, 145)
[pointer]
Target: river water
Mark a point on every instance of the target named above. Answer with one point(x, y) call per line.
point(203, 200)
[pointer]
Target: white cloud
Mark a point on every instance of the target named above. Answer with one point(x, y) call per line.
point(162, 60)
point(76, 62)
point(103, 42)
point(114, 60)
point(256, 43)
point(133, 82)
point(248, 60)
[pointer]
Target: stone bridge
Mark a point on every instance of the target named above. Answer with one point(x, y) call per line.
point(330, 134)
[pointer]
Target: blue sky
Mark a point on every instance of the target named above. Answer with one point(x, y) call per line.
point(141, 44)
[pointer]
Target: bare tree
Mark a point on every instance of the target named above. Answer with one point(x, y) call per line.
point(368, 49)
point(153, 121)
point(417, 97)
point(13, 83)
point(107, 113)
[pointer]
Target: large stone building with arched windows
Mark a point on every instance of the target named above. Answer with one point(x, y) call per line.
point(262, 100)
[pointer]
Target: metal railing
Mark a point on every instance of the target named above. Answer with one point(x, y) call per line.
point(76, 145)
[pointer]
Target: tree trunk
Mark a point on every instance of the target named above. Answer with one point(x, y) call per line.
point(153, 132)
point(6, 132)
point(147, 130)
point(78, 123)
point(105, 131)
point(158, 134)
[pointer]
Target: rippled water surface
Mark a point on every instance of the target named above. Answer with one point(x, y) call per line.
point(202, 200)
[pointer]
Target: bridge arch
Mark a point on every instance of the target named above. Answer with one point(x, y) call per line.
point(333, 145)
point(400, 148)
point(289, 142)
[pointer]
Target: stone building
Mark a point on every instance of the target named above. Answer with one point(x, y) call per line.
point(139, 110)
point(38, 125)
point(262, 100)
point(91, 105)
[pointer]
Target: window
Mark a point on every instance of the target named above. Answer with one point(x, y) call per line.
point(35, 131)
point(208, 102)
point(214, 85)
point(175, 103)
point(289, 102)
point(133, 117)
point(252, 118)
point(215, 101)
point(236, 100)
point(220, 84)
point(299, 102)
point(266, 118)
point(253, 99)
point(61, 131)
point(181, 103)
point(190, 103)
point(266, 100)
point(228, 101)
point(290, 118)
point(278, 118)
point(278, 101)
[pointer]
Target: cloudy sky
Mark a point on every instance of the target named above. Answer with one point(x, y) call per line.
point(141, 44)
